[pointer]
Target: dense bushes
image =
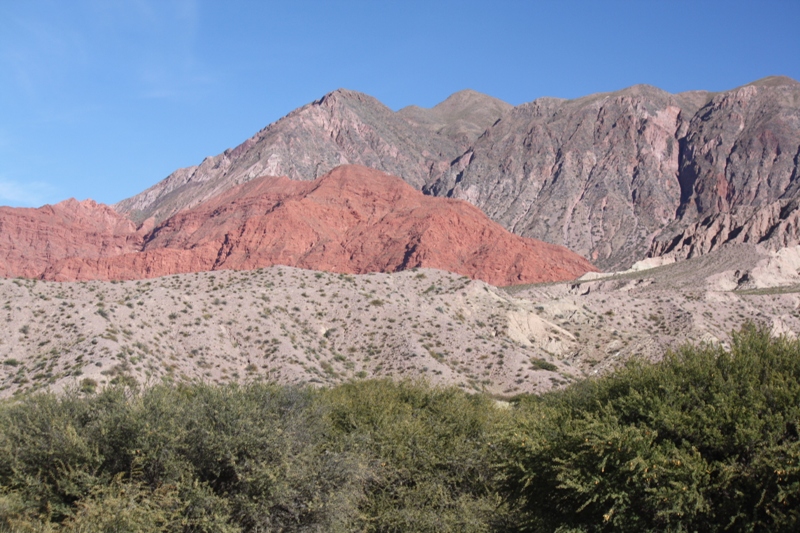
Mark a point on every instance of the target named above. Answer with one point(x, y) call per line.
point(705, 441)
point(370, 456)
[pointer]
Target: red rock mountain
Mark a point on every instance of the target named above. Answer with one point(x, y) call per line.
point(342, 127)
point(352, 220)
point(31, 240)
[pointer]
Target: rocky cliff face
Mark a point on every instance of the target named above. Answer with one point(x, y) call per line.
point(352, 220)
point(611, 176)
point(607, 175)
point(773, 226)
point(33, 239)
point(742, 149)
point(596, 174)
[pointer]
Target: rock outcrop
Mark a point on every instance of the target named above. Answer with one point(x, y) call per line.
point(31, 240)
point(606, 175)
point(597, 174)
point(352, 220)
point(742, 149)
point(774, 226)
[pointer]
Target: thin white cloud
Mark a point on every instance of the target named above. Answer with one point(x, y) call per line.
point(32, 194)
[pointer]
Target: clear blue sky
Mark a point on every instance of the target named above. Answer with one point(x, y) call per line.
point(103, 98)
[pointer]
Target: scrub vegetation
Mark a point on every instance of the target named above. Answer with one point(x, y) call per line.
point(706, 440)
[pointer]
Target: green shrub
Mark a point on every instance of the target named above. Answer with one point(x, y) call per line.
point(707, 440)
point(541, 364)
point(427, 450)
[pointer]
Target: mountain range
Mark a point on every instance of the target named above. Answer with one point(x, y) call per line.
point(615, 177)
point(357, 241)
point(352, 220)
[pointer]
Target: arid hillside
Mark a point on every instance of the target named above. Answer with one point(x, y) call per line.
point(280, 324)
point(291, 325)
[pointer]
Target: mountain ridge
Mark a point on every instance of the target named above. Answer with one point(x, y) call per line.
point(606, 175)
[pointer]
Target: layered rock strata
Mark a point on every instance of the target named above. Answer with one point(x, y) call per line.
point(32, 240)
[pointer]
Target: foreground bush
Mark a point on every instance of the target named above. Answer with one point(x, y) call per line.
point(429, 454)
point(707, 440)
point(372, 456)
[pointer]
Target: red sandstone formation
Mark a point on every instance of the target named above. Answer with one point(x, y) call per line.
point(352, 220)
point(31, 240)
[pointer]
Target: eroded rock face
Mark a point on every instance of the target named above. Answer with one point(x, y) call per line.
point(742, 149)
point(33, 239)
point(774, 226)
point(352, 220)
point(606, 175)
point(596, 174)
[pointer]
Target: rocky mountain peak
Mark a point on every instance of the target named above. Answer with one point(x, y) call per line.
point(462, 117)
point(775, 81)
point(343, 96)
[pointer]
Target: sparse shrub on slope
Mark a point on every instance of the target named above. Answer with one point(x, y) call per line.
point(707, 441)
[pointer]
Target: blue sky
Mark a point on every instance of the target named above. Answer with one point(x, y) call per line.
point(103, 98)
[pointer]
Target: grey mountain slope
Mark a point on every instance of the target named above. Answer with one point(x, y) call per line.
point(342, 127)
point(612, 176)
point(463, 116)
point(597, 174)
point(608, 174)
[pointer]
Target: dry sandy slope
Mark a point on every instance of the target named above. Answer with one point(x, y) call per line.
point(299, 326)
point(282, 324)
point(643, 313)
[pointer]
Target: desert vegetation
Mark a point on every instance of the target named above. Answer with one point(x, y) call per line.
point(281, 324)
point(293, 327)
point(705, 440)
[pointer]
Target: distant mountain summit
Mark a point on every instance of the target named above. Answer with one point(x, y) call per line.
point(462, 117)
point(351, 220)
point(614, 176)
